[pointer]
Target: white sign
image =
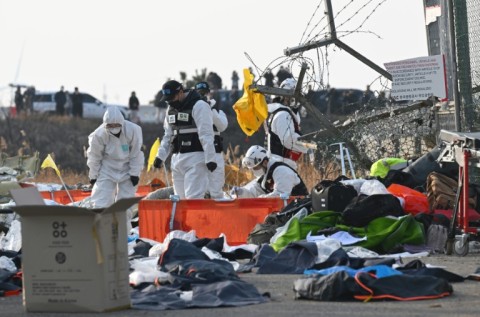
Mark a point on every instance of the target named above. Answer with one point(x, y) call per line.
point(418, 78)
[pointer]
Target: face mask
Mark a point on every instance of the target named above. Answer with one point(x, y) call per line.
point(258, 173)
point(294, 104)
point(114, 130)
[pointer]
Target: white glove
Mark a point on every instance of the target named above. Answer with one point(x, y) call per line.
point(212, 102)
point(236, 191)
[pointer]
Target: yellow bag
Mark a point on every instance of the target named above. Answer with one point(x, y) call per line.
point(252, 108)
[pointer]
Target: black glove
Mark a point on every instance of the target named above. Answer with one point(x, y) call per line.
point(157, 163)
point(93, 181)
point(211, 166)
point(134, 180)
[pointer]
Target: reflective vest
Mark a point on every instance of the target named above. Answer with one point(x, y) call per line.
point(267, 183)
point(276, 146)
point(185, 130)
point(381, 167)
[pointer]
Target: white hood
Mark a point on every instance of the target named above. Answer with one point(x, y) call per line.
point(113, 115)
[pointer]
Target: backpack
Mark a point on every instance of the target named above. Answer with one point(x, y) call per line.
point(262, 233)
point(363, 209)
point(436, 230)
point(331, 195)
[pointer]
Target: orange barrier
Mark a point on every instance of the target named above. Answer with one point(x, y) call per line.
point(415, 202)
point(209, 218)
point(61, 196)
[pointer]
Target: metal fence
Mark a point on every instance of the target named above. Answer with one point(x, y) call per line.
point(467, 38)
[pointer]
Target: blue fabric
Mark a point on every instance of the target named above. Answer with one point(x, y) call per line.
point(379, 270)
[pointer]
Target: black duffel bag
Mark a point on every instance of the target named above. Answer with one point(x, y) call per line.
point(331, 195)
point(363, 209)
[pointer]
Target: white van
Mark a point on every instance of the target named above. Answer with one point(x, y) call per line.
point(92, 107)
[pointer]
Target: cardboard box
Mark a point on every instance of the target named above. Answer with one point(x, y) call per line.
point(74, 259)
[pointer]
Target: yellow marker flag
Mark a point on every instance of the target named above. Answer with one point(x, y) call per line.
point(153, 153)
point(48, 162)
point(251, 108)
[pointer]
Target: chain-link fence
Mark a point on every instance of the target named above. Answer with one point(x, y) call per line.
point(467, 37)
point(396, 134)
point(392, 130)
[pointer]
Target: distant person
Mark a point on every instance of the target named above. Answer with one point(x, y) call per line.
point(273, 178)
point(216, 179)
point(188, 134)
point(18, 101)
point(60, 101)
point(235, 79)
point(381, 99)
point(214, 81)
point(367, 95)
point(283, 74)
point(348, 104)
point(77, 103)
point(114, 159)
point(28, 97)
point(268, 75)
point(133, 105)
point(332, 99)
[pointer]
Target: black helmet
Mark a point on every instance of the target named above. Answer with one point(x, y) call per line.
point(203, 85)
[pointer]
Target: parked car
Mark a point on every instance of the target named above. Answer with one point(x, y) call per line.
point(92, 107)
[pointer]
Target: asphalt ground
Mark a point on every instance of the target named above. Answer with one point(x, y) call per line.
point(463, 302)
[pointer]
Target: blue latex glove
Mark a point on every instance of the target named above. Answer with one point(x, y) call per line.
point(236, 191)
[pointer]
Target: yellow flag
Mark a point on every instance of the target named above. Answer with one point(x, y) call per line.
point(251, 108)
point(48, 162)
point(153, 153)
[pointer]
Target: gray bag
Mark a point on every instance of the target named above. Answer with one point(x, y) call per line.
point(437, 238)
point(261, 233)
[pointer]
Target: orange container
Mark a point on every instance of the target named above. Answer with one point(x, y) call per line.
point(209, 218)
point(415, 202)
point(61, 196)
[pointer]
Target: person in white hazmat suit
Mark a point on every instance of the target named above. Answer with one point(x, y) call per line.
point(282, 128)
point(114, 158)
point(273, 178)
point(189, 135)
point(216, 179)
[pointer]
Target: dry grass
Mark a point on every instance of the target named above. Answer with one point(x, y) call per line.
point(235, 175)
point(70, 178)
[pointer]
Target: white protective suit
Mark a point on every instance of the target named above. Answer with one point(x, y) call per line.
point(282, 125)
point(216, 179)
point(189, 170)
point(284, 180)
point(112, 160)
